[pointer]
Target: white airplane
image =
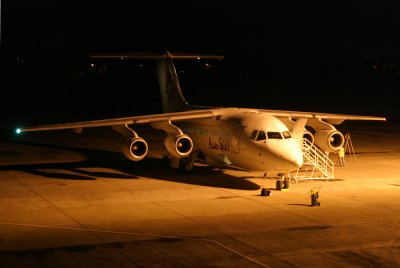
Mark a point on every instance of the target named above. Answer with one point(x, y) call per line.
point(252, 139)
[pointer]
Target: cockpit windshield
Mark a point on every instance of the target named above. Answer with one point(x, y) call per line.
point(274, 135)
point(259, 135)
point(254, 135)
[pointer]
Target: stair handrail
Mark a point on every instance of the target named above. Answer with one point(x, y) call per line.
point(317, 158)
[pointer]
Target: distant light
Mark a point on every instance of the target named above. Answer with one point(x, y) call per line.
point(92, 65)
point(21, 60)
point(198, 58)
point(18, 130)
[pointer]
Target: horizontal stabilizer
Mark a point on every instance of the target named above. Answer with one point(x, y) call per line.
point(152, 55)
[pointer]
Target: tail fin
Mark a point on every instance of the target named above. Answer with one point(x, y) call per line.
point(170, 89)
point(171, 94)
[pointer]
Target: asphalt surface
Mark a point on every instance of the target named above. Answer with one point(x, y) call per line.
point(89, 206)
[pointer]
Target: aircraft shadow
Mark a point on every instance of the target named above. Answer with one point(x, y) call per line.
point(57, 175)
point(125, 169)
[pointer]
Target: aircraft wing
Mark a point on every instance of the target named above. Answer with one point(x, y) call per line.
point(195, 114)
point(335, 119)
point(143, 119)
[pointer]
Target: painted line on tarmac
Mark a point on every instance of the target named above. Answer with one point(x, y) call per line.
point(215, 242)
point(195, 221)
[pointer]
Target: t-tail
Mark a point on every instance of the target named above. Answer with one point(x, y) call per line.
point(170, 89)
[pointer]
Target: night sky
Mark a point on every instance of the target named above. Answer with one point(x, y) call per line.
point(314, 56)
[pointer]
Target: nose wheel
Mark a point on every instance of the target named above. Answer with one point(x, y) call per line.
point(282, 183)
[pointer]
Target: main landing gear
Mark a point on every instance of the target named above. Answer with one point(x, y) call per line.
point(186, 165)
point(282, 183)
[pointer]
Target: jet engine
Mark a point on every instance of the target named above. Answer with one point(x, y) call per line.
point(136, 150)
point(179, 146)
point(329, 140)
point(308, 136)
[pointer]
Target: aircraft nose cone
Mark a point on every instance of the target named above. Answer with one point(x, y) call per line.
point(291, 155)
point(296, 158)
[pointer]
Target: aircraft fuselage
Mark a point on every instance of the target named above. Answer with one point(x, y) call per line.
point(245, 138)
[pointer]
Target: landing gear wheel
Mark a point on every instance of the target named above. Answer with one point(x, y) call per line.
point(186, 165)
point(286, 184)
point(279, 184)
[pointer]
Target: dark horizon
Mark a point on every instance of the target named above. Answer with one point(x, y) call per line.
point(291, 56)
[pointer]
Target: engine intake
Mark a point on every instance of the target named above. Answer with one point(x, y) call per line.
point(329, 140)
point(179, 145)
point(308, 136)
point(136, 150)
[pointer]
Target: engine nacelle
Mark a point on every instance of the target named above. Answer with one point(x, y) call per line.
point(329, 140)
point(179, 145)
point(136, 150)
point(308, 136)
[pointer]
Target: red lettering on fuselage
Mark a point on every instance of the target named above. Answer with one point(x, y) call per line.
point(222, 144)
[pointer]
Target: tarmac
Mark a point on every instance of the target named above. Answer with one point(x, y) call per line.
point(82, 207)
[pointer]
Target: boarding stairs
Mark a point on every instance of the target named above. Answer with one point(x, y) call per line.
point(316, 164)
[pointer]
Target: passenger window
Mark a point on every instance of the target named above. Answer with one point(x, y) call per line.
point(254, 135)
point(274, 135)
point(261, 136)
point(286, 135)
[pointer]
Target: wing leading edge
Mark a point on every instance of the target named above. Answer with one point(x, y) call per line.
point(335, 119)
point(197, 114)
point(143, 119)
